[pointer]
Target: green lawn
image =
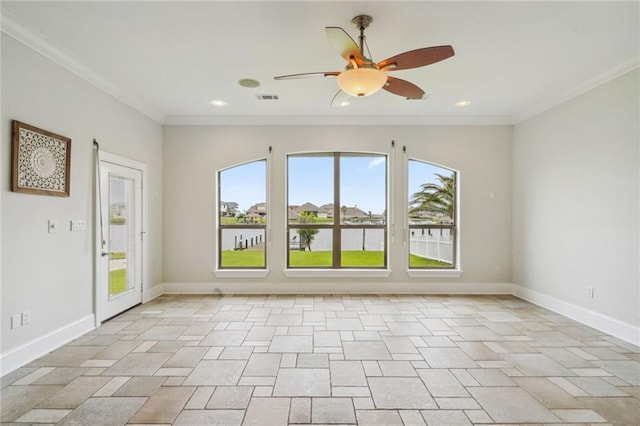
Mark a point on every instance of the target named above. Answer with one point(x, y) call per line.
point(117, 281)
point(359, 258)
point(255, 258)
point(310, 258)
point(297, 258)
point(243, 258)
point(421, 262)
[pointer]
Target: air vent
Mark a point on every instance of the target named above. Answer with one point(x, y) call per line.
point(267, 97)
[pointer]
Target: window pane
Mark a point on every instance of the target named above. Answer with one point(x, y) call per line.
point(431, 193)
point(363, 188)
point(242, 213)
point(362, 247)
point(311, 247)
point(430, 248)
point(121, 234)
point(243, 194)
point(310, 189)
point(242, 248)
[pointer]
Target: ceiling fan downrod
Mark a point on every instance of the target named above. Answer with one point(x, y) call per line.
point(361, 22)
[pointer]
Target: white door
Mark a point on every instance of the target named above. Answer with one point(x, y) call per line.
point(121, 255)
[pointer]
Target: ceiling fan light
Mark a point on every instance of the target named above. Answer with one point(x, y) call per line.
point(361, 81)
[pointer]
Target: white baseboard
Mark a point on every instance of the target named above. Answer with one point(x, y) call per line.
point(35, 348)
point(621, 330)
point(153, 292)
point(328, 287)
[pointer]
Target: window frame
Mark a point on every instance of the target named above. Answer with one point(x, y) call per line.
point(337, 226)
point(250, 271)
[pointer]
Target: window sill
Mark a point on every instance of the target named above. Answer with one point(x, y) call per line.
point(241, 273)
point(337, 273)
point(433, 273)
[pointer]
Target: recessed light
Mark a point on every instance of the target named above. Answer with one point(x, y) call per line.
point(462, 104)
point(218, 102)
point(248, 82)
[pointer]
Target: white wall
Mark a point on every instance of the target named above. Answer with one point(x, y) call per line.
point(576, 206)
point(193, 154)
point(51, 275)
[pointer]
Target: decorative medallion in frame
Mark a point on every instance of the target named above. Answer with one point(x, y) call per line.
point(41, 161)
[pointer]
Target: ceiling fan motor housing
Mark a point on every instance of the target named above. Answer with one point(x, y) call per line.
point(365, 80)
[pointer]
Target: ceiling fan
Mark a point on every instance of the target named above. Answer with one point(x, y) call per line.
point(362, 76)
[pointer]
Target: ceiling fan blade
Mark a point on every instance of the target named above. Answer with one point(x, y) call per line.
point(307, 75)
point(403, 88)
point(417, 58)
point(344, 44)
point(341, 99)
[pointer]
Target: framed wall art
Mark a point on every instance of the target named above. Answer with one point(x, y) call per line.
point(41, 161)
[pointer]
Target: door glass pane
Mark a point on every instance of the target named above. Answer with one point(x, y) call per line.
point(310, 188)
point(362, 247)
point(121, 234)
point(242, 248)
point(430, 247)
point(310, 247)
point(363, 188)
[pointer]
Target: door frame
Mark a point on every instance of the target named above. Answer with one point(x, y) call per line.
point(99, 286)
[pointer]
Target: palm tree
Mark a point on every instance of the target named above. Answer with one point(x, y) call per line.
point(435, 197)
point(307, 234)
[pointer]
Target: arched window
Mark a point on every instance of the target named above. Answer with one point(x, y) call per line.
point(432, 216)
point(336, 210)
point(242, 216)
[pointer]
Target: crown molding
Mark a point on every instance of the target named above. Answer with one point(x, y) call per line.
point(22, 33)
point(31, 38)
point(350, 120)
point(585, 86)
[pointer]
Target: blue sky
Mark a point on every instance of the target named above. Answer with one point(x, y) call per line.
point(421, 173)
point(362, 181)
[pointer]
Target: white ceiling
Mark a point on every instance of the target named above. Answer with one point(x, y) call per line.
point(170, 59)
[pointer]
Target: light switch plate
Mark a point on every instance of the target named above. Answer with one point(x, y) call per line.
point(15, 321)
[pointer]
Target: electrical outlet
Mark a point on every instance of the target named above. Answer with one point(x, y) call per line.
point(53, 226)
point(497, 270)
point(78, 225)
point(591, 292)
point(26, 317)
point(15, 321)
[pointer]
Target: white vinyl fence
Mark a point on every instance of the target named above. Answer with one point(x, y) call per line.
point(436, 244)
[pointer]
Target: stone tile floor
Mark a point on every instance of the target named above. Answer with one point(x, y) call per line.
point(370, 360)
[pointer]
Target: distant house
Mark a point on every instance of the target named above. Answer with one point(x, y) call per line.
point(228, 208)
point(326, 211)
point(257, 211)
point(431, 216)
point(353, 213)
point(309, 208)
